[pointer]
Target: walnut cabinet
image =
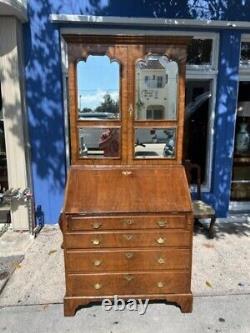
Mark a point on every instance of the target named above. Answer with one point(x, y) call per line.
point(127, 217)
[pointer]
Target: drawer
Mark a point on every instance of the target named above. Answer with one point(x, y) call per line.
point(76, 223)
point(127, 283)
point(127, 239)
point(131, 260)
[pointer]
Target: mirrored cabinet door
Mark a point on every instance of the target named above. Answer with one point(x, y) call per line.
point(97, 81)
point(126, 99)
point(156, 88)
point(157, 123)
point(98, 88)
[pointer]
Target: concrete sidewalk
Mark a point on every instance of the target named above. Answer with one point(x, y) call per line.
point(220, 284)
point(216, 314)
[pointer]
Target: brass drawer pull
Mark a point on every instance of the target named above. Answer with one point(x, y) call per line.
point(160, 284)
point(95, 241)
point(97, 262)
point(162, 223)
point(128, 222)
point(126, 173)
point(129, 277)
point(96, 225)
point(160, 240)
point(97, 286)
point(161, 261)
point(129, 255)
point(128, 237)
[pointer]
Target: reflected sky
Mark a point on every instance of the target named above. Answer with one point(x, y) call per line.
point(95, 78)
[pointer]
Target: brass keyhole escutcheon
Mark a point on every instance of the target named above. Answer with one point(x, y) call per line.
point(161, 260)
point(96, 225)
point(162, 223)
point(97, 286)
point(97, 262)
point(129, 277)
point(161, 240)
point(129, 255)
point(130, 110)
point(160, 284)
point(128, 237)
point(128, 222)
point(95, 241)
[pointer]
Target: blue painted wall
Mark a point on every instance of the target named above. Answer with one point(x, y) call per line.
point(225, 117)
point(44, 87)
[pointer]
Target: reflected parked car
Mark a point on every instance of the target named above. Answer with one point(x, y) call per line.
point(97, 115)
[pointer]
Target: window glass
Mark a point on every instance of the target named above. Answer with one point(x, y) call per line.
point(240, 189)
point(198, 96)
point(199, 52)
point(3, 158)
point(245, 53)
point(156, 89)
point(98, 81)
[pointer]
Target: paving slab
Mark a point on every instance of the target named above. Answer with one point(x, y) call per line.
point(15, 243)
point(7, 267)
point(39, 279)
point(221, 265)
point(212, 314)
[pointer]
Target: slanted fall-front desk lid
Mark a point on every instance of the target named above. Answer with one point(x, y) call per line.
point(126, 190)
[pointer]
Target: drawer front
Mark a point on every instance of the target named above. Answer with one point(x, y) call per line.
point(127, 239)
point(126, 222)
point(132, 260)
point(127, 284)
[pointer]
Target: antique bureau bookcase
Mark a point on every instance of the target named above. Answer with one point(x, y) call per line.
point(127, 218)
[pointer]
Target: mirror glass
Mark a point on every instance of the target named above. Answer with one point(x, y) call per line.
point(99, 142)
point(155, 143)
point(156, 88)
point(98, 83)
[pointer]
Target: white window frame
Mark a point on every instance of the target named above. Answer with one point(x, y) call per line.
point(205, 73)
point(205, 187)
point(199, 72)
point(213, 66)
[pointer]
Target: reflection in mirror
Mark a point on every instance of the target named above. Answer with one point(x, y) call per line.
point(98, 82)
point(99, 142)
point(156, 89)
point(155, 143)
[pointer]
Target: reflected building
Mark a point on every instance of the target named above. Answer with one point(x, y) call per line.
point(156, 80)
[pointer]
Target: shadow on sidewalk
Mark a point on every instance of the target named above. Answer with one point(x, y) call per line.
point(233, 226)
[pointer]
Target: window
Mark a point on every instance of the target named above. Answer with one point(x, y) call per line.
point(159, 82)
point(198, 96)
point(240, 189)
point(240, 185)
point(200, 52)
point(245, 54)
point(201, 78)
point(203, 52)
point(155, 112)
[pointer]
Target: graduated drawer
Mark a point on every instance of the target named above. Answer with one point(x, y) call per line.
point(76, 223)
point(127, 284)
point(131, 260)
point(146, 238)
